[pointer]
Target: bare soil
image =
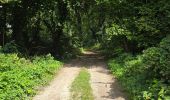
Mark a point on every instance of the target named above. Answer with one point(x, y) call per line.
point(104, 85)
point(59, 88)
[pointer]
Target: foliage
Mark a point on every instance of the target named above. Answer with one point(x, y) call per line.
point(157, 60)
point(61, 27)
point(151, 58)
point(165, 58)
point(145, 77)
point(81, 88)
point(135, 25)
point(19, 77)
point(10, 47)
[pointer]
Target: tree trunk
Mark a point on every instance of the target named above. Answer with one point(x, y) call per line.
point(57, 46)
point(19, 23)
point(3, 27)
point(125, 43)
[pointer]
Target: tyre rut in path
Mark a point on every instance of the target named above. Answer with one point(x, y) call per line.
point(59, 88)
point(103, 84)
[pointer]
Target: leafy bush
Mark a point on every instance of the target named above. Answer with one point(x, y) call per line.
point(157, 60)
point(151, 60)
point(10, 47)
point(19, 77)
point(147, 76)
point(165, 58)
point(129, 75)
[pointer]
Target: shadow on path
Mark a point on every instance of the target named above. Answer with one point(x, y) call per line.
point(104, 85)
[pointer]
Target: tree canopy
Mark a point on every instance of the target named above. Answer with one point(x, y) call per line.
point(62, 27)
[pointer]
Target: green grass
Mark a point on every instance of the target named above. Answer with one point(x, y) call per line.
point(81, 89)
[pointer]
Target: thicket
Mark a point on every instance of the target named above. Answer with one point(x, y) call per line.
point(146, 76)
point(137, 39)
point(19, 77)
point(136, 25)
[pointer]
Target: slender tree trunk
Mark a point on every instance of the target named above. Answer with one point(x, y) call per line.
point(125, 43)
point(19, 24)
point(57, 46)
point(79, 23)
point(3, 27)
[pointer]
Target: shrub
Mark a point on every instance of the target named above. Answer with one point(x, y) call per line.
point(19, 77)
point(157, 60)
point(145, 77)
point(10, 47)
point(165, 58)
point(134, 66)
point(116, 68)
point(151, 61)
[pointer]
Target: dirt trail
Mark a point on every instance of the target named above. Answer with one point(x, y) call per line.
point(103, 84)
point(59, 88)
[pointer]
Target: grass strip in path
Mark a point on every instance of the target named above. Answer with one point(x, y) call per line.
point(80, 88)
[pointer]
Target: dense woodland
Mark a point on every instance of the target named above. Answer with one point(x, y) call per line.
point(134, 34)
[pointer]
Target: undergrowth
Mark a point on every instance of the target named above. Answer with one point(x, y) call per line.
point(146, 76)
point(19, 77)
point(140, 82)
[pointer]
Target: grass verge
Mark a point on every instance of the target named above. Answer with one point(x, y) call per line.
point(80, 88)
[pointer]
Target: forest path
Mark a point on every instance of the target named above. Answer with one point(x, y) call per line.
point(59, 88)
point(103, 84)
